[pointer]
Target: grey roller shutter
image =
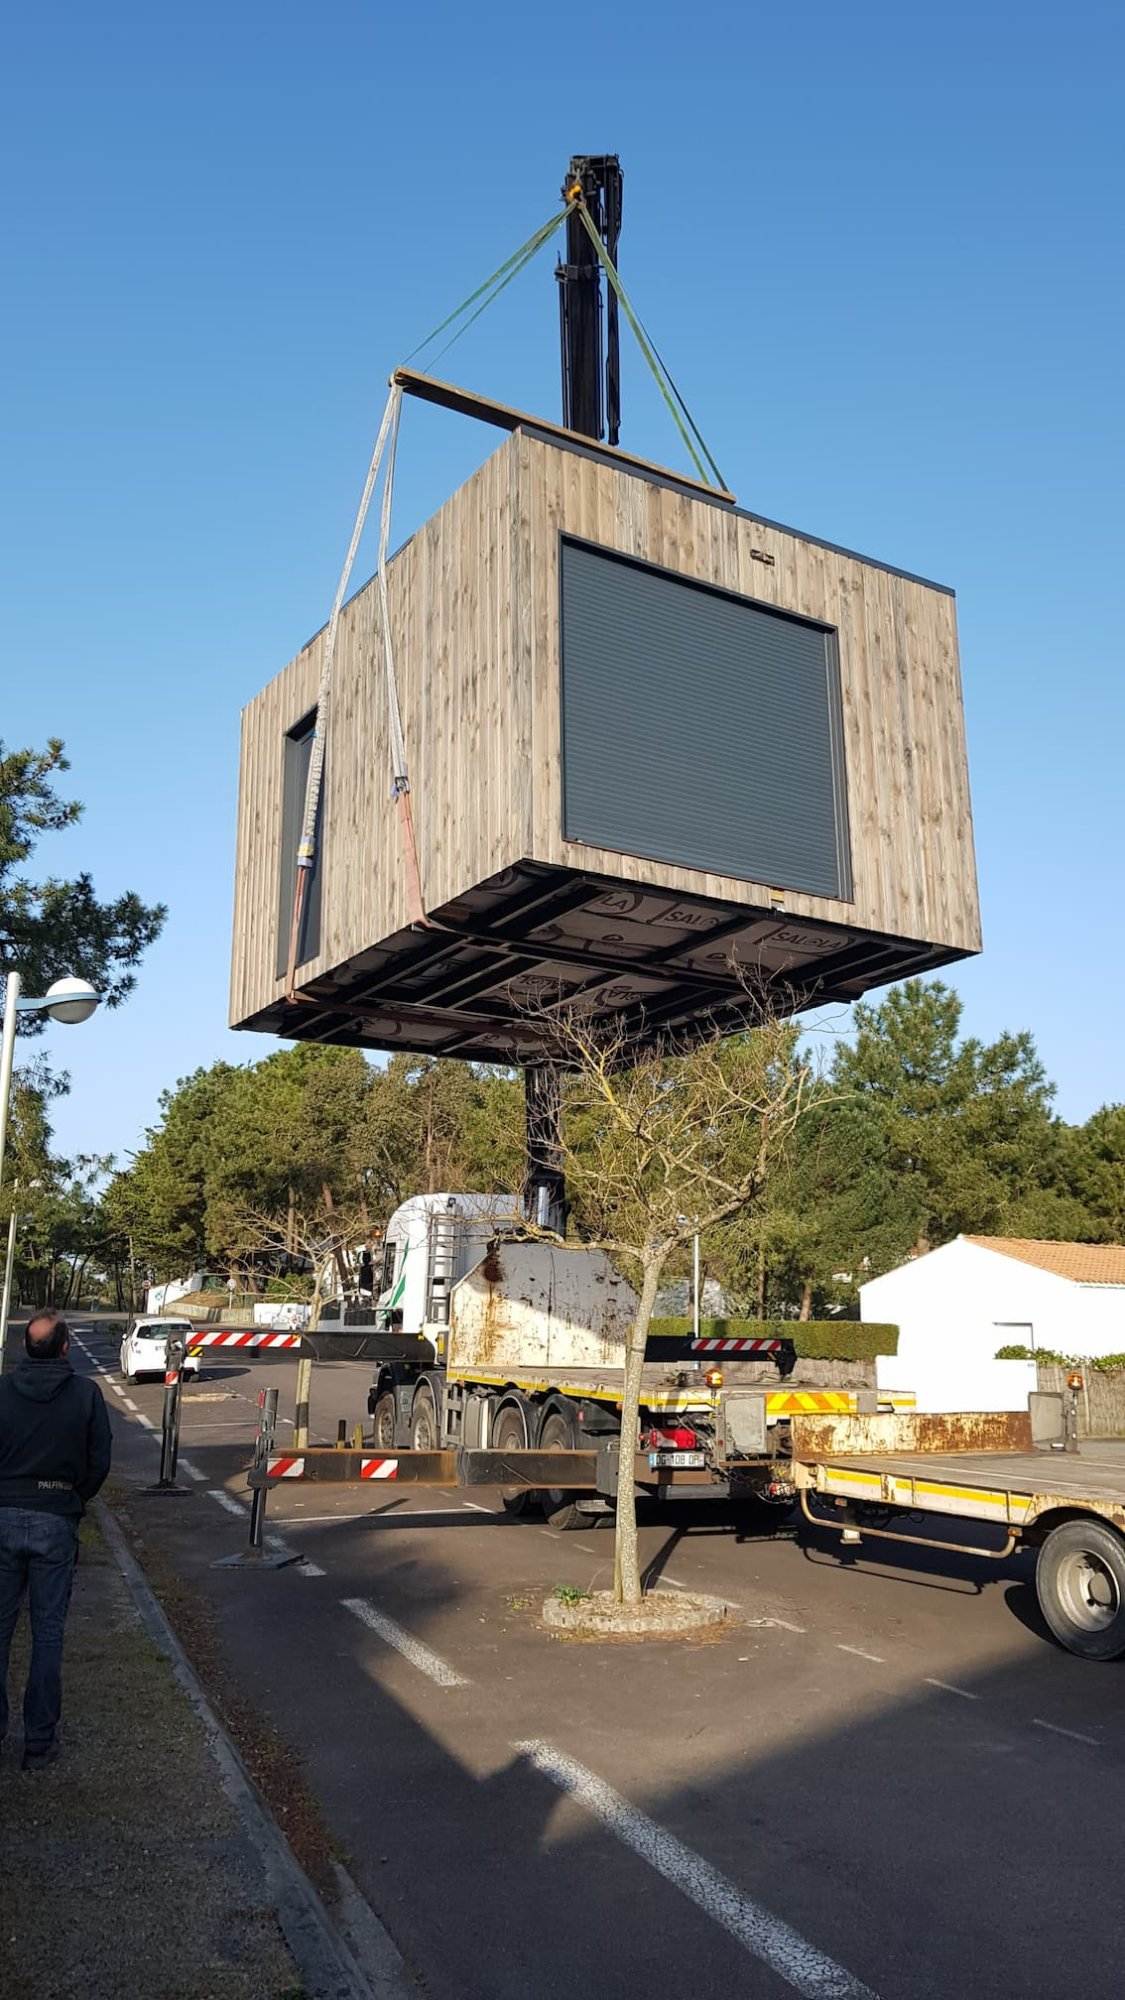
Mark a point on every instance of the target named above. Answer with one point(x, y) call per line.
point(700, 728)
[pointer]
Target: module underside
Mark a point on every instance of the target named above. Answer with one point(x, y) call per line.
point(469, 982)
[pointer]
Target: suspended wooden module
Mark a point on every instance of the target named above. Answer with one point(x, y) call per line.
point(658, 747)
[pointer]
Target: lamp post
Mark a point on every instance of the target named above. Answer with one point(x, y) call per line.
point(68, 1000)
point(9, 1261)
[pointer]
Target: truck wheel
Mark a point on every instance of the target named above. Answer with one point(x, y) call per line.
point(1080, 1583)
point(386, 1421)
point(510, 1434)
point(423, 1421)
point(560, 1506)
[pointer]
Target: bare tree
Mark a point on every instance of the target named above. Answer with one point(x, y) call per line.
point(320, 1236)
point(657, 1147)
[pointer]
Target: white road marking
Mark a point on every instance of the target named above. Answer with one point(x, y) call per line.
point(192, 1471)
point(476, 1508)
point(766, 1937)
point(306, 1568)
point(1075, 1735)
point(118, 1390)
point(308, 1520)
point(146, 1421)
point(787, 1627)
point(947, 1687)
point(130, 1405)
point(676, 1585)
point(861, 1655)
point(403, 1642)
point(238, 1509)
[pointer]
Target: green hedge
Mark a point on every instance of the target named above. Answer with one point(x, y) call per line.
point(1105, 1364)
point(815, 1339)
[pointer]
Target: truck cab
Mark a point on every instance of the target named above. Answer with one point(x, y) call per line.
point(432, 1240)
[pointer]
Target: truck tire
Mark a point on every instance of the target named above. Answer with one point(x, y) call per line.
point(1080, 1583)
point(423, 1421)
point(560, 1507)
point(386, 1422)
point(509, 1433)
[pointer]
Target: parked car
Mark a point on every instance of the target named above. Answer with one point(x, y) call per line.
point(144, 1347)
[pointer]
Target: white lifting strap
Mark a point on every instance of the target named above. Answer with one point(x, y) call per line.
point(400, 782)
point(387, 428)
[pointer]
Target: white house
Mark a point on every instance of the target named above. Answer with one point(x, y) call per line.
point(955, 1306)
point(159, 1297)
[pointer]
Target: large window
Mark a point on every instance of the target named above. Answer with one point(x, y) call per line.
point(700, 728)
point(296, 753)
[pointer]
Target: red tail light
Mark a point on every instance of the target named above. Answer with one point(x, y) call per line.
point(680, 1439)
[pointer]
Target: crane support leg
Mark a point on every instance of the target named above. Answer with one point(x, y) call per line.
point(545, 1184)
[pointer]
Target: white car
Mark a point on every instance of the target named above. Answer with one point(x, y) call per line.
point(144, 1348)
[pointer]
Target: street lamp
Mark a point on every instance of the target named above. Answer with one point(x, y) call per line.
point(9, 1262)
point(68, 1000)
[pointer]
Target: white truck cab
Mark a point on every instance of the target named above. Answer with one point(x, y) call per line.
point(432, 1240)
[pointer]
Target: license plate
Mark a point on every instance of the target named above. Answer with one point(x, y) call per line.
point(676, 1458)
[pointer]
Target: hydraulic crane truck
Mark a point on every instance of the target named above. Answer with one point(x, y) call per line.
point(488, 1340)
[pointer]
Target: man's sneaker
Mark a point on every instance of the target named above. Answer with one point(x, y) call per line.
point(38, 1760)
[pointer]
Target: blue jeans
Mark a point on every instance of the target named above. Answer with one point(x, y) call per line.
point(37, 1554)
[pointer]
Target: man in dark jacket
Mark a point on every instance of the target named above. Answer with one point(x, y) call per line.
point(54, 1454)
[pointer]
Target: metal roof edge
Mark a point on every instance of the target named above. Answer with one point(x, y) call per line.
point(693, 491)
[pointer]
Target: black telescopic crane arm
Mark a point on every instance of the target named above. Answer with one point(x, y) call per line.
point(588, 324)
point(591, 404)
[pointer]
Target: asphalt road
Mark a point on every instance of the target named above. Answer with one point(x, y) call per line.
point(885, 1779)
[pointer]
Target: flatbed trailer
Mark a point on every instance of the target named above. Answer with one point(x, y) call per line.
point(1065, 1501)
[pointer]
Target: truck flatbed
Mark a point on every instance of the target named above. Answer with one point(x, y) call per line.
point(1066, 1501)
point(666, 1387)
point(1012, 1487)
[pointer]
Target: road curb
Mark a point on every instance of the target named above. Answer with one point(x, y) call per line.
point(330, 1969)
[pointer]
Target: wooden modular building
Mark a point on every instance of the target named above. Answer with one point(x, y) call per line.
point(658, 747)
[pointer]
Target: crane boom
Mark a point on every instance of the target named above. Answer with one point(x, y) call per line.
point(588, 319)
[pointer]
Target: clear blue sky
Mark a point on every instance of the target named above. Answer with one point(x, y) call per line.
point(879, 245)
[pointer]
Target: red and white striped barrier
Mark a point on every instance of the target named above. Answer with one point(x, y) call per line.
point(238, 1339)
point(287, 1466)
point(737, 1346)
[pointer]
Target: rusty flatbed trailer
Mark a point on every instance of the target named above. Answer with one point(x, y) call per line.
point(1066, 1501)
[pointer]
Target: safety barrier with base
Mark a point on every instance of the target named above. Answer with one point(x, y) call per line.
point(338, 1465)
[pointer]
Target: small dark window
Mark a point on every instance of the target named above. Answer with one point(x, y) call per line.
point(390, 1250)
point(296, 754)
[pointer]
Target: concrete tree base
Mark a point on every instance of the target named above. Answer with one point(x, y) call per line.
point(661, 1614)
